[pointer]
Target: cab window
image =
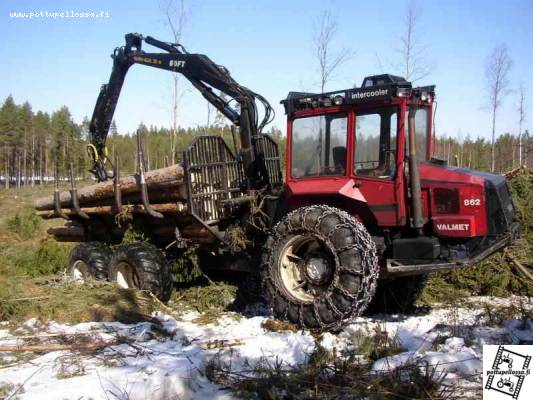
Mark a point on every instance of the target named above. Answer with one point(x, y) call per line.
point(319, 145)
point(421, 133)
point(375, 142)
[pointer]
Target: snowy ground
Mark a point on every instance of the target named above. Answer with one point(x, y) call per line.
point(169, 361)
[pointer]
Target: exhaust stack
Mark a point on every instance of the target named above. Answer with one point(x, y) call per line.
point(414, 173)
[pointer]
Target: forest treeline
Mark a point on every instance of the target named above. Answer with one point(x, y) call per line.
point(34, 143)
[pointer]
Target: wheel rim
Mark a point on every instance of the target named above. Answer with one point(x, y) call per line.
point(306, 267)
point(126, 277)
point(79, 271)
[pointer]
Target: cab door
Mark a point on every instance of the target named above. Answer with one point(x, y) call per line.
point(377, 161)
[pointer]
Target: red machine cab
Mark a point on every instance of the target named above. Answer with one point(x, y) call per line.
point(350, 149)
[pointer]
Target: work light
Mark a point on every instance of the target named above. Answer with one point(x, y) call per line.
point(403, 92)
point(338, 100)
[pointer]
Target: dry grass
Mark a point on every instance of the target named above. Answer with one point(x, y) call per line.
point(73, 302)
point(273, 325)
point(212, 296)
point(5, 389)
point(30, 273)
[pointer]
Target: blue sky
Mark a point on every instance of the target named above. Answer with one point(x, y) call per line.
point(267, 46)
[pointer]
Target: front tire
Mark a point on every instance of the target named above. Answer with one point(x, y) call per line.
point(142, 266)
point(319, 268)
point(89, 260)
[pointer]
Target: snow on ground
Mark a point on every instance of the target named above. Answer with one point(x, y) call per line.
point(169, 361)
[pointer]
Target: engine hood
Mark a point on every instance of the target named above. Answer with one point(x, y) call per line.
point(484, 200)
point(490, 179)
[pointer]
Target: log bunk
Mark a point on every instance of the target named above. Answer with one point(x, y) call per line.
point(158, 198)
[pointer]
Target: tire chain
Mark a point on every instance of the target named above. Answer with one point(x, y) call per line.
point(367, 249)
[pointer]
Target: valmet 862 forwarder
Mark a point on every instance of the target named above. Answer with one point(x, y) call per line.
point(363, 211)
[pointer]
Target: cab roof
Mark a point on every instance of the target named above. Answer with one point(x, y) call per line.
point(374, 88)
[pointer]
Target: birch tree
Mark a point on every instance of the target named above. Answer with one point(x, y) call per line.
point(328, 60)
point(497, 69)
point(521, 118)
point(413, 63)
point(176, 19)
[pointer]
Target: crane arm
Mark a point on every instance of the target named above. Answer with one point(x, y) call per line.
point(203, 74)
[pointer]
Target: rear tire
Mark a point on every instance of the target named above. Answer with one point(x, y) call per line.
point(89, 260)
point(319, 267)
point(398, 295)
point(142, 266)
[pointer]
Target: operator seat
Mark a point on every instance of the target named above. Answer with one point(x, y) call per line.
point(339, 159)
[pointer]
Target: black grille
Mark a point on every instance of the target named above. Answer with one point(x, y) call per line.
point(213, 175)
point(269, 150)
point(500, 208)
point(507, 202)
point(446, 200)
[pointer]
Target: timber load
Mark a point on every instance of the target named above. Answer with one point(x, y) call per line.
point(166, 188)
point(91, 211)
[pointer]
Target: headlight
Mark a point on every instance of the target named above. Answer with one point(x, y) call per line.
point(403, 92)
point(338, 100)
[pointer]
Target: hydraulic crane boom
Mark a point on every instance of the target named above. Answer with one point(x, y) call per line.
point(204, 75)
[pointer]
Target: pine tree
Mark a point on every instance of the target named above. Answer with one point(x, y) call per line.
point(10, 135)
point(65, 140)
point(42, 132)
point(26, 120)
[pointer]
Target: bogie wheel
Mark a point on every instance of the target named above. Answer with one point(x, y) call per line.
point(142, 266)
point(398, 295)
point(89, 260)
point(319, 267)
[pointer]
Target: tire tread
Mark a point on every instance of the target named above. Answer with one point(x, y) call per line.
point(95, 254)
point(356, 268)
point(150, 265)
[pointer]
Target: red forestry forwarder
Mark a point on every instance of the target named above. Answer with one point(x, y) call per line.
point(364, 213)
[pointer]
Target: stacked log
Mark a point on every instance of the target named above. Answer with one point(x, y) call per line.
point(178, 207)
point(167, 194)
point(517, 171)
point(166, 191)
point(70, 232)
point(76, 231)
